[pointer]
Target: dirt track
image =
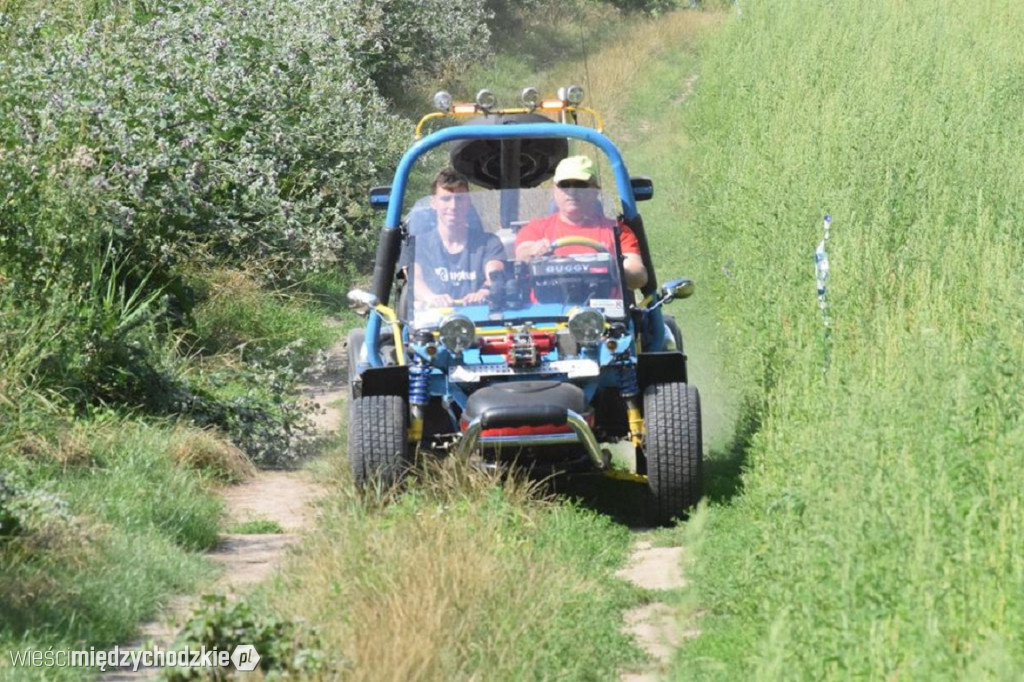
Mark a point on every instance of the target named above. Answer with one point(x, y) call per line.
point(288, 498)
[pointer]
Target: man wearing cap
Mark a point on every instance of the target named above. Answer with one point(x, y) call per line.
point(579, 214)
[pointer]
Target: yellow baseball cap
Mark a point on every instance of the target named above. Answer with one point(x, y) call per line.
point(576, 168)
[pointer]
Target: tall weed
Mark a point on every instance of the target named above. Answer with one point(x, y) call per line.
point(460, 575)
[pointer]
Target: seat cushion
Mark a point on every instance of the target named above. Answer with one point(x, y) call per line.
point(525, 393)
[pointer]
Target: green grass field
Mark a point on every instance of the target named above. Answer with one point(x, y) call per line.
point(877, 535)
point(864, 514)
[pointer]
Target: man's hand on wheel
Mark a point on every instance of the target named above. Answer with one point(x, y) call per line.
point(478, 296)
point(440, 301)
point(537, 249)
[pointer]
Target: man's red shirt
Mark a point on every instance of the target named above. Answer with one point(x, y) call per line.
point(552, 227)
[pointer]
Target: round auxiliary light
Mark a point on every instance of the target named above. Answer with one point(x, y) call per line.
point(572, 95)
point(457, 333)
point(443, 100)
point(362, 301)
point(530, 97)
point(486, 100)
point(586, 326)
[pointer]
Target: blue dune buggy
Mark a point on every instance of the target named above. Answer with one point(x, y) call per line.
point(562, 369)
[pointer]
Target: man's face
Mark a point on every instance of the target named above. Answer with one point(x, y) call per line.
point(451, 206)
point(576, 200)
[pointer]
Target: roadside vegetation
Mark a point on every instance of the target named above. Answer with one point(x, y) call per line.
point(877, 533)
point(182, 204)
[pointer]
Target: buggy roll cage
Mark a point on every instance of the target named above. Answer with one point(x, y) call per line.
point(389, 246)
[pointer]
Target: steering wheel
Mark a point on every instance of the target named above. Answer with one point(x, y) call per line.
point(577, 241)
point(455, 303)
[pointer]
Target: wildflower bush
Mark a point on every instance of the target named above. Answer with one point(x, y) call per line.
point(199, 134)
point(238, 132)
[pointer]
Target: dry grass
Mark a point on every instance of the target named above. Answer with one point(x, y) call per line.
point(69, 449)
point(211, 452)
point(403, 586)
point(75, 444)
point(612, 68)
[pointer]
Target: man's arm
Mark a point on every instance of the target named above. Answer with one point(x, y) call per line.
point(632, 262)
point(636, 273)
point(424, 293)
point(494, 254)
point(532, 249)
point(530, 242)
point(482, 294)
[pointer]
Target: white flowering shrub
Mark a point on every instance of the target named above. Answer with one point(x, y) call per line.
point(236, 131)
point(227, 132)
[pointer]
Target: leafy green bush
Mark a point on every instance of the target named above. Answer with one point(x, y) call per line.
point(28, 510)
point(402, 42)
point(223, 624)
point(653, 7)
point(255, 408)
point(235, 134)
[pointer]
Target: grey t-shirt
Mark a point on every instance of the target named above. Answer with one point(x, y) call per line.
point(456, 274)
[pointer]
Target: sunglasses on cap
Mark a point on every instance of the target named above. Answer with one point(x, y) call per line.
point(574, 184)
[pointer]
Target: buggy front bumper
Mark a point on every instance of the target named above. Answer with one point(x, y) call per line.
point(499, 418)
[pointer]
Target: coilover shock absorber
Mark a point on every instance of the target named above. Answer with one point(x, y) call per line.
point(629, 388)
point(419, 395)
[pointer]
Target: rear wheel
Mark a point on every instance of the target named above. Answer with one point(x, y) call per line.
point(355, 348)
point(378, 446)
point(673, 449)
point(677, 336)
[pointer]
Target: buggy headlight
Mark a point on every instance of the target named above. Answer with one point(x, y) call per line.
point(486, 100)
point(571, 95)
point(443, 101)
point(586, 326)
point(457, 333)
point(530, 98)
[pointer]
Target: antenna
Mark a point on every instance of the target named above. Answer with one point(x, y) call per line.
point(586, 71)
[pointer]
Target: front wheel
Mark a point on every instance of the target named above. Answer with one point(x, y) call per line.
point(378, 445)
point(673, 449)
point(677, 336)
point(356, 337)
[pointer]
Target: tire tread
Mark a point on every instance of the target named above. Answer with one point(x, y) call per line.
point(673, 449)
point(377, 441)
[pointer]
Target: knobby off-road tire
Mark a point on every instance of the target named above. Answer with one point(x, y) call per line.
point(677, 336)
point(378, 447)
point(673, 449)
